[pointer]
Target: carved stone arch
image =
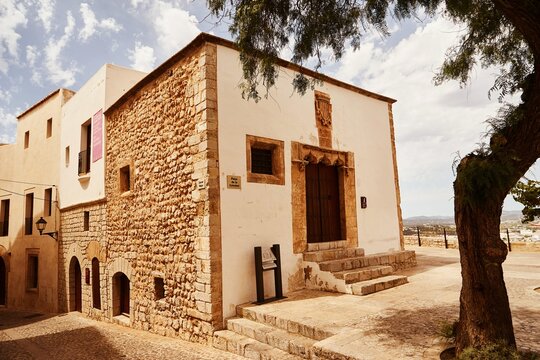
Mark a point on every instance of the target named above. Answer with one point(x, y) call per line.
point(118, 268)
point(94, 250)
point(75, 250)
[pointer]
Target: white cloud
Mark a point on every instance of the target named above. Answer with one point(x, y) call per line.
point(31, 55)
point(174, 26)
point(12, 15)
point(45, 13)
point(5, 96)
point(432, 123)
point(142, 57)
point(7, 119)
point(53, 61)
point(91, 24)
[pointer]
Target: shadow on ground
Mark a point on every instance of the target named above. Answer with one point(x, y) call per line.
point(10, 319)
point(82, 343)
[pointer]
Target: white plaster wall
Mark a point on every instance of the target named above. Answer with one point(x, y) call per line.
point(260, 214)
point(99, 92)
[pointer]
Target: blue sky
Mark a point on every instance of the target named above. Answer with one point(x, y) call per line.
point(46, 44)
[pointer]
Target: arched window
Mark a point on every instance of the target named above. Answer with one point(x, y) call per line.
point(96, 293)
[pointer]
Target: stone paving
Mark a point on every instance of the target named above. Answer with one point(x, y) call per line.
point(399, 323)
point(403, 322)
point(26, 335)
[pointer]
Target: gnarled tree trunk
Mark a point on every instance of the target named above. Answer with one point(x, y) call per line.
point(485, 315)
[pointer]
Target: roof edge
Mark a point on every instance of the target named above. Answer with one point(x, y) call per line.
point(205, 37)
point(42, 101)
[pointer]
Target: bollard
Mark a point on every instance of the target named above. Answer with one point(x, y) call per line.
point(418, 232)
point(445, 239)
point(508, 239)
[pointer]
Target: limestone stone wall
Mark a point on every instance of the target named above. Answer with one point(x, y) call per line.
point(166, 224)
point(84, 245)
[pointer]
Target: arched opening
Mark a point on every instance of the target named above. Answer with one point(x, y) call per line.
point(96, 293)
point(120, 294)
point(75, 285)
point(3, 282)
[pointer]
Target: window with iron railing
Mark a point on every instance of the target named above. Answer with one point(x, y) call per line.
point(84, 162)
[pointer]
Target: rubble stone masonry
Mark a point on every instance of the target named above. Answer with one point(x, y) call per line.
point(166, 225)
point(84, 245)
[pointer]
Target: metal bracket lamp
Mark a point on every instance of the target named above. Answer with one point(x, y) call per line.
point(41, 224)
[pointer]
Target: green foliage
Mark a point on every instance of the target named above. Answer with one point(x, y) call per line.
point(263, 28)
point(448, 331)
point(495, 352)
point(528, 193)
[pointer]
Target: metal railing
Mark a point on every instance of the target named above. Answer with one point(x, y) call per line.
point(84, 162)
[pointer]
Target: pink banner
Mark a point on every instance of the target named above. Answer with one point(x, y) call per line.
point(97, 136)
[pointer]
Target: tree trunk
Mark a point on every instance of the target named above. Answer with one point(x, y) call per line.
point(482, 183)
point(485, 315)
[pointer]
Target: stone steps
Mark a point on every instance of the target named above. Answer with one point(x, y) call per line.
point(371, 286)
point(348, 270)
point(363, 274)
point(308, 331)
point(238, 344)
point(332, 254)
point(294, 344)
point(356, 262)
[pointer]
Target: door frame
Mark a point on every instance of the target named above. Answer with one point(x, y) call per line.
point(303, 154)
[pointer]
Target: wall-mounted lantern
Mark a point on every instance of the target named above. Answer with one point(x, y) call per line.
point(41, 224)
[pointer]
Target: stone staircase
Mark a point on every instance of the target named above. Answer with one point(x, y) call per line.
point(350, 271)
point(265, 337)
point(270, 332)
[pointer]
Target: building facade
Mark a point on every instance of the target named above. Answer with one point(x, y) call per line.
point(28, 191)
point(83, 267)
point(196, 177)
point(168, 181)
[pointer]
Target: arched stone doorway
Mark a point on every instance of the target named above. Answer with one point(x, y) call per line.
point(120, 294)
point(3, 282)
point(75, 285)
point(96, 286)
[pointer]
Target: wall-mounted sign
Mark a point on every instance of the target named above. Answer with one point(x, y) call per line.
point(363, 202)
point(97, 136)
point(233, 182)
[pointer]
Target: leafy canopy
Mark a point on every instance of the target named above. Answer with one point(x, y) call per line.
point(528, 193)
point(263, 28)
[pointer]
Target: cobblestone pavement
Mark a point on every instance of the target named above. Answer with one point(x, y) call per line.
point(26, 335)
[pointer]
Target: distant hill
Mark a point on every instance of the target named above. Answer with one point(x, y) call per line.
point(514, 215)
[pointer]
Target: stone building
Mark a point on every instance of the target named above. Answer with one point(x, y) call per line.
point(168, 181)
point(196, 177)
point(83, 267)
point(29, 191)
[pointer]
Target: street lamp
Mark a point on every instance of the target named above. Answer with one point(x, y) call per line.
point(40, 224)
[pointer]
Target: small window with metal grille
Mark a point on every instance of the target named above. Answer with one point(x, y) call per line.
point(261, 161)
point(265, 160)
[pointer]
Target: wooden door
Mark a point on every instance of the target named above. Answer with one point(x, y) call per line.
point(124, 294)
point(77, 291)
point(322, 203)
point(3, 282)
